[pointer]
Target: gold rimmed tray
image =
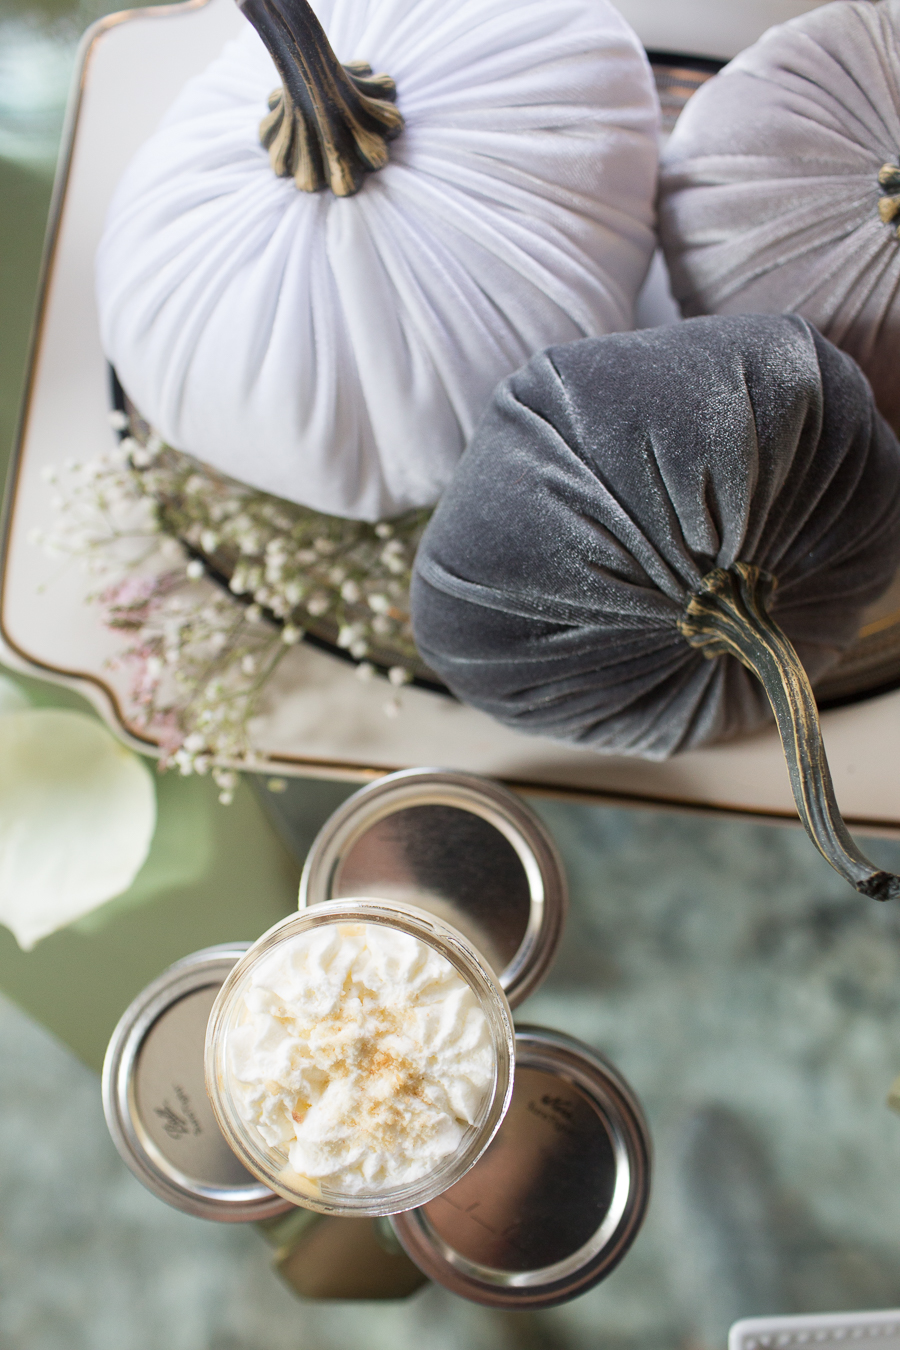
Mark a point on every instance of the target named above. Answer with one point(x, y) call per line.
point(872, 665)
point(320, 720)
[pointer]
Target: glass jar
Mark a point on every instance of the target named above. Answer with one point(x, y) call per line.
point(270, 1163)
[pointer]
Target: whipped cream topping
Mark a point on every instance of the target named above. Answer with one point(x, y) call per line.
point(363, 1055)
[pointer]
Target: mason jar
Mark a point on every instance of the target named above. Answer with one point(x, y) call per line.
point(237, 1104)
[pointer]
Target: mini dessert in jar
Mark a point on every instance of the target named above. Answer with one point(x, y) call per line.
point(359, 1058)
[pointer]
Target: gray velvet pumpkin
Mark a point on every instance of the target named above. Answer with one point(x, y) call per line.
point(633, 513)
point(780, 186)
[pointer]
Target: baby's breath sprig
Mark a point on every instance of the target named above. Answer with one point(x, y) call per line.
point(213, 582)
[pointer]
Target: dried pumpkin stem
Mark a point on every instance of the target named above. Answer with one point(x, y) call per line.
point(889, 203)
point(328, 125)
point(728, 615)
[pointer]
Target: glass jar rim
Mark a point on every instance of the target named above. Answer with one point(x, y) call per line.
point(468, 964)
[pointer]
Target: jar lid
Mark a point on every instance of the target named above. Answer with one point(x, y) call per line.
point(558, 1198)
point(459, 846)
point(155, 1102)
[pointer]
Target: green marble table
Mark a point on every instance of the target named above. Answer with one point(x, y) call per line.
point(750, 997)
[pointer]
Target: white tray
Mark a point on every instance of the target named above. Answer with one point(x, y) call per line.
point(325, 722)
point(717, 28)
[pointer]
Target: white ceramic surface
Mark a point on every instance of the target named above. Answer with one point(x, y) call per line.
point(719, 28)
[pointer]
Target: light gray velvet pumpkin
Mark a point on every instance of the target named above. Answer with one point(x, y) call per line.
point(780, 187)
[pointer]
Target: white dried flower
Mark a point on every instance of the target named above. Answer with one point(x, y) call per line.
point(183, 762)
point(399, 676)
point(117, 420)
point(195, 675)
point(365, 671)
point(349, 633)
point(277, 785)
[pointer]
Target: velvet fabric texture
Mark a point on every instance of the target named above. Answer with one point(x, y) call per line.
point(769, 195)
point(339, 352)
point(606, 479)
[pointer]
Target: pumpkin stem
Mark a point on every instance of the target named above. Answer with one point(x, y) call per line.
point(728, 615)
point(329, 124)
point(889, 203)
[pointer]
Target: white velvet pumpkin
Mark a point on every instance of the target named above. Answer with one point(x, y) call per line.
point(339, 351)
point(770, 198)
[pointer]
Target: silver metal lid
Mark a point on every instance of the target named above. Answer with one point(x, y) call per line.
point(557, 1199)
point(155, 1102)
point(463, 848)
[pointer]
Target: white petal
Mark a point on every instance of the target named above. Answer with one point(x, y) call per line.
point(77, 814)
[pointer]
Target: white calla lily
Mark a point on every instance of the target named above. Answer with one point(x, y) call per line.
point(77, 814)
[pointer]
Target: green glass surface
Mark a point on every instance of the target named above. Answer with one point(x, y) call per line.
point(214, 874)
